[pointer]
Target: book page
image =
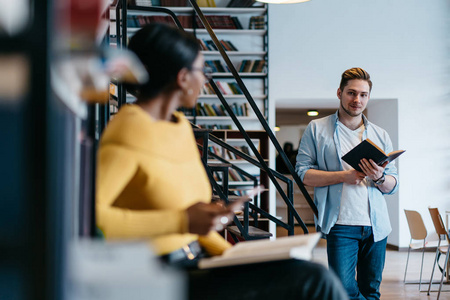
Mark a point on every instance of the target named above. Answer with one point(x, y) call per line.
point(394, 154)
point(292, 247)
point(376, 146)
point(252, 247)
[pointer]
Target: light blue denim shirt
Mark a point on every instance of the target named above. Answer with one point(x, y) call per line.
point(319, 149)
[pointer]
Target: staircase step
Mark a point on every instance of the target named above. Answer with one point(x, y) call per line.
point(201, 130)
point(230, 197)
point(219, 165)
point(253, 232)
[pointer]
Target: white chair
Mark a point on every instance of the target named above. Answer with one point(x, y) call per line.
point(418, 232)
point(442, 232)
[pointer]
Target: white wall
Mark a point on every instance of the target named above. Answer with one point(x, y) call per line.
point(384, 112)
point(404, 45)
point(290, 133)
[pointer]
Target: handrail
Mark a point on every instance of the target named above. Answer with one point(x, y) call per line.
point(275, 173)
point(255, 109)
point(260, 163)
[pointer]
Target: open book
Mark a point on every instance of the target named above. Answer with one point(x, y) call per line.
point(250, 252)
point(367, 149)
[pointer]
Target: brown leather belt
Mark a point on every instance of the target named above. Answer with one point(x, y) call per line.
point(188, 252)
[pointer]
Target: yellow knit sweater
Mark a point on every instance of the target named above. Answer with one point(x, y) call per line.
point(148, 173)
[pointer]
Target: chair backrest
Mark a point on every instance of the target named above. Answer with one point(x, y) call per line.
point(437, 222)
point(416, 226)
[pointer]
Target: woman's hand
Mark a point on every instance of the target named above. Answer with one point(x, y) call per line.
point(204, 217)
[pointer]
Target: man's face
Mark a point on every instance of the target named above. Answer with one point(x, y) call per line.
point(354, 97)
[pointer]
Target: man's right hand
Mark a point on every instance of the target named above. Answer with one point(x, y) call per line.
point(353, 177)
point(204, 217)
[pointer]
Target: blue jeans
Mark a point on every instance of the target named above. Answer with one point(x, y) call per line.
point(352, 253)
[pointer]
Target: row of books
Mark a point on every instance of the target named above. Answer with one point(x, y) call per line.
point(216, 126)
point(221, 22)
point(239, 192)
point(208, 45)
point(252, 66)
point(257, 22)
point(246, 66)
point(206, 3)
point(216, 21)
point(218, 110)
point(226, 88)
point(241, 3)
point(182, 3)
point(134, 21)
point(233, 175)
point(149, 3)
point(227, 154)
point(217, 66)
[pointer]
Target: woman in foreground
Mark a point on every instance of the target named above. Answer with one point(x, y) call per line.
point(151, 183)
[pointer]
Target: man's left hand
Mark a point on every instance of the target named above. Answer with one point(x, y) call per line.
point(371, 169)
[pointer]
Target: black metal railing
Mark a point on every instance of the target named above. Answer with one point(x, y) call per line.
point(259, 161)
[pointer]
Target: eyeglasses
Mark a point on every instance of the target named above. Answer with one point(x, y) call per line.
point(207, 71)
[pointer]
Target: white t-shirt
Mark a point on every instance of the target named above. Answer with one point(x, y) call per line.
point(354, 208)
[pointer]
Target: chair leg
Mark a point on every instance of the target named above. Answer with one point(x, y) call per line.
point(432, 272)
point(407, 260)
point(442, 276)
point(421, 268)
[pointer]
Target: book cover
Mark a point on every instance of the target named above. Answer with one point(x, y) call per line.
point(236, 89)
point(217, 109)
point(237, 24)
point(231, 45)
point(241, 3)
point(225, 112)
point(242, 66)
point(209, 110)
point(258, 251)
point(203, 45)
point(221, 86)
point(210, 44)
point(225, 45)
point(246, 109)
point(249, 66)
point(226, 88)
point(369, 150)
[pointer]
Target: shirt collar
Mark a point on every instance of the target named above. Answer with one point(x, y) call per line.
point(336, 119)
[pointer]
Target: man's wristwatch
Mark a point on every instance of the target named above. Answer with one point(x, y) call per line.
point(380, 180)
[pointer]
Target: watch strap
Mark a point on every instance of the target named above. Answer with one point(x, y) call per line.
point(380, 180)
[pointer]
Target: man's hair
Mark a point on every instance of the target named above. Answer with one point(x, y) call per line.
point(354, 73)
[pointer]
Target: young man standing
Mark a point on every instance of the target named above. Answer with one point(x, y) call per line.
point(352, 210)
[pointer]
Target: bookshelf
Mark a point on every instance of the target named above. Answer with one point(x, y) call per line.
point(251, 45)
point(235, 139)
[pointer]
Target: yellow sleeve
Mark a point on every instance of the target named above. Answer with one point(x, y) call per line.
point(116, 167)
point(214, 243)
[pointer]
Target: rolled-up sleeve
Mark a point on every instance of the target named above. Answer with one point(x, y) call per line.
point(307, 155)
point(390, 169)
